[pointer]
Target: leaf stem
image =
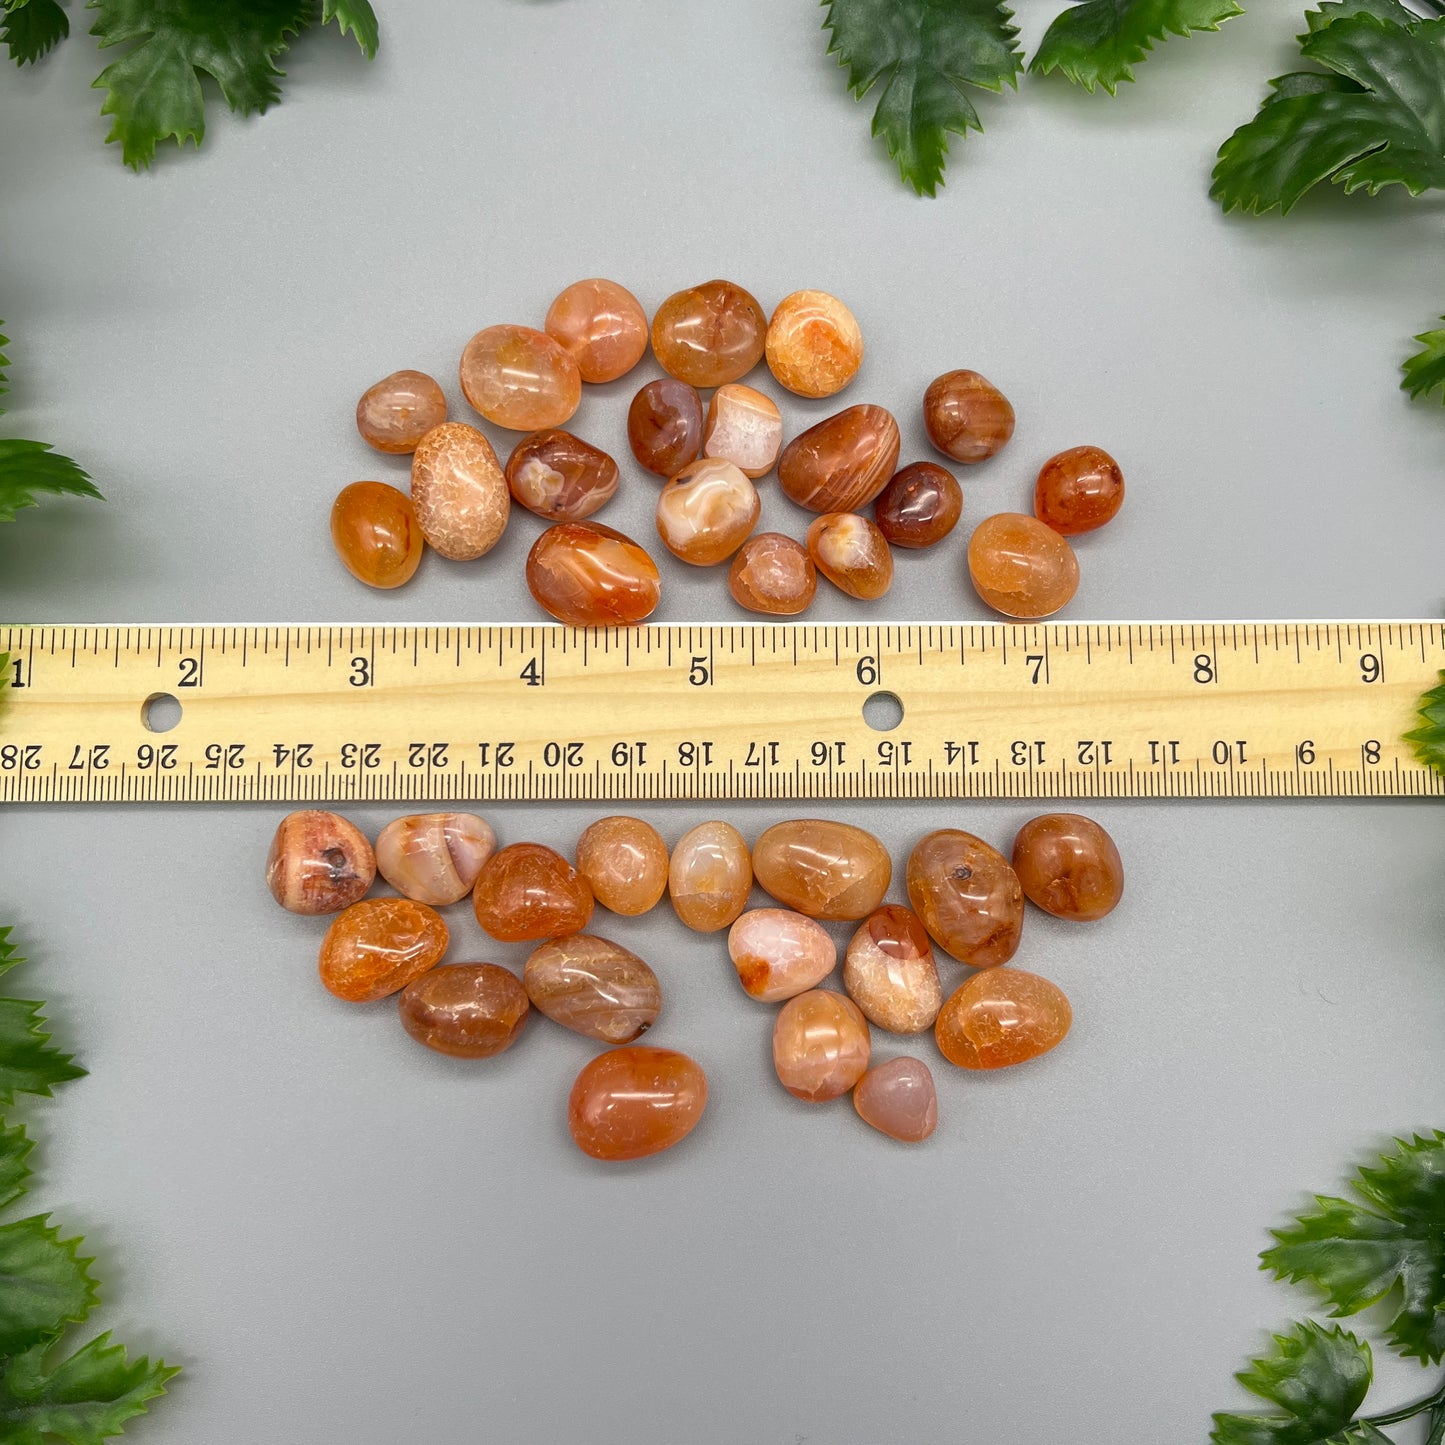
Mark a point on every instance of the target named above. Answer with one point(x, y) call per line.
point(1437, 1425)
point(1434, 1403)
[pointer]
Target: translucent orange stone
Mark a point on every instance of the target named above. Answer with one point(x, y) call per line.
point(318, 863)
point(396, 413)
point(779, 953)
point(967, 895)
point(822, 868)
point(375, 533)
point(467, 1010)
point(773, 573)
point(899, 1099)
point(890, 974)
point(520, 378)
point(920, 505)
point(528, 891)
point(852, 554)
point(559, 476)
point(705, 513)
point(434, 857)
point(593, 987)
point(459, 493)
point(601, 325)
point(590, 576)
point(843, 462)
point(709, 876)
point(625, 861)
point(820, 1045)
point(1020, 566)
point(814, 346)
point(966, 416)
point(709, 335)
point(1068, 865)
point(743, 427)
point(635, 1101)
point(664, 426)
point(1079, 490)
point(1001, 1017)
point(376, 947)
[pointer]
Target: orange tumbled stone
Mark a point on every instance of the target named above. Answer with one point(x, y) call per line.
point(820, 1045)
point(706, 512)
point(528, 891)
point(520, 378)
point(1000, 1017)
point(1079, 490)
point(709, 876)
point(852, 554)
point(966, 416)
point(635, 1101)
point(743, 427)
point(890, 974)
point(376, 534)
point(899, 1099)
point(559, 476)
point(601, 325)
point(376, 947)
point(396, 413)
point(664, 426)
point(709, 335)
point(593, 987)
point(843, 462)
point(318, 863)
point(813, 345)
point(467, 1010)
point(1020, 566)
point(458, 490)
point(1068, 866)
point(779, 953)
point(590, 576)
point(625, 861)
point(823, 868)
point(920, 505)
point(434, 857)
point(774, 574)
point(967, 895)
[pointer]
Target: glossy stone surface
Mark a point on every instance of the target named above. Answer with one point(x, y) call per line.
point(1079, 490)
point(843, 462)
point(813, 345)
point(376, 534)
point(743, 427)
point(707, 511)
point(1068, 866)
point(635, 1101)
point(318, 863)
point(709, 876)
point(852, 554)
point(709, 335)
point(967, 895)
point(899, 1099)
point(434, 857)
point(589, 575)
point(820, 1045)
point(1001, 1017)
point(528, 891)
point(625, 861)
point(889, 971)
point(593, 987)
point(920, 505)
point(376, 947)
point(774, 574)
point(520, 378)
point(559, 476)
point(601, 326)
point(779, 953)
point(1020, 566)
point(823, 868)
point(664, 426)
point(467, 1010)
point(966, 416)
point(396, 413)
point(458, 490)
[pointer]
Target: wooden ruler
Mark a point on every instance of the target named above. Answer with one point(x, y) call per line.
point(1059, 710)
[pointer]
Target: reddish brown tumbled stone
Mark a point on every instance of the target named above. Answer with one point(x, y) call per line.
point(664, 426)
point(376, 947)
point(634, 1101)
point(528, 891)
point(967, 895)
point(852, 554)
point(318, 863)
point(467, 1010)
point(396, 413)
point(920, 505)
point(1079, 490)
point(774, 574)
point(376, 534)
point(710, 334)
point(559, 476)
point(842, 463)
point(1068, 865)
point(591, 576)
point(593, 987)
point(966, 416)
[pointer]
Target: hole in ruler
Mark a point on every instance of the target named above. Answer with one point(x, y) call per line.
point(160, 712)
point(883, 712)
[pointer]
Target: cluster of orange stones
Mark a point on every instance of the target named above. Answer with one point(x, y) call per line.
point(706, 338)
point(633, 1100)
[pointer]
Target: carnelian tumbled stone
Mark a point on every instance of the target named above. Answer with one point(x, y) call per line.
point(842, 463)
point(318, 863)
point(1069, 866)
point(593, 987)
point(814, 346)
point(779, 953)
point(709, 335)
point(664, 426)
point(528, 891)
point(376, 947)
point(822, 868)
point(899, 1099)
point(589, 575)
point(559, 476)
point(467, 1010)
point(625, 861)
point(1020, 566)
point(396, 413)
point(601, 325)
point(890, 974)
point(434, 857)
point(920, 505)
point(774, 574)
point(1000, 1017)
point(375, 533)
point(820, 1045)
point(967, 895)
point(852, 554)
point(635, 1101)
point(966, 416)
point(705, 513)
point(1079, 490)
point(709, 876)
point(459, 492)
point(743, 427)
point(520, 378)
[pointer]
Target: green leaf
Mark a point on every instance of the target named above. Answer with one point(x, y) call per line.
point(28, 1063)
point(15, 1145)
point(357, 18)
point(30, 467)
point(44, 1284)
point(4, 365)
point(33, 29)
point(1384, 126)
point(1425, 371)
point(9, 954)
point(1318, 1378)
point(923, 54)
point(1101, 41)
point(1394, 1244)
point(85, 1399)
point(1332, 10)
point(1428, 739)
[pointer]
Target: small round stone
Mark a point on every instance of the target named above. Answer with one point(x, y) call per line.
point(664, 426)
point(527, 892)
point(318, 863)
point(434, 857)
point(601, 325)
point(779, 953)
point(376, 534)
point(890, 974)
point(852, 554)
point(459, 493)
point(743, 427)
point(625, 861)
point(467, 1010)
point(706, 512)
point(966, 416)
point(635, 1101)
point(1002, 1016)
point(396, 413)
point(774, 574)
point(1079, 490)
point(968, 897)
point(593, 987)
point(590, 576)
point(376, 947)
point(843, 462)
point(1068, 866)
point(559, 476)
point(823, 868)
point(1020, 566)
point(520, 378)
point(899, 1099)
point(814, 346)
point(820, 1045)
point(709, 335)
point(709, 876)
point(920, 505)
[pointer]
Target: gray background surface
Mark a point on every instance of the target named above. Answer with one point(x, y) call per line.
point(344, 1238)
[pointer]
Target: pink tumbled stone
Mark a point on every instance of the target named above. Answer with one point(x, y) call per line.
point(779, 954)
point(898, 1099)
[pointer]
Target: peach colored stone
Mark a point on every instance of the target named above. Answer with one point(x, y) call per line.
point(814, 346)
point(743, 427)
point(529, 891)
point(601, 325)
point(1000, 1017)
point(710, 334)
point(467, 1010)
point(520, 378)
point(966, 416)
point(635, 1101)
point(593, 987)
point(375, 533)
point(890, 974)
point(710, 876)
point(843, 462)
point(852, 554)
point(591, 576)
point(774, 574)
point(458, 490)
point(1020, 566)
point(434, 857)
point(396, 413)
point(899, 1099)
point(779, 953)
point(820, 1045)
point(625, 861)
point(823, 868)
point(967, 896)
point(376, 947)
point(705, 513)
point(559, 476)
point(318, 863)
point(1068, 865)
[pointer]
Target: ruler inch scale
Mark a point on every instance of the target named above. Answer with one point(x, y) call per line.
point(1057, 710)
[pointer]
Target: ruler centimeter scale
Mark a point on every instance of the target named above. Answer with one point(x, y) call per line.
point(1049, 710)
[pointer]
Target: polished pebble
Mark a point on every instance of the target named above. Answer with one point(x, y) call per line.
point(889, 971)
point(779, 953)
point(774, 574)
point(458, 490)
point(434, 857)
point(899, 1099)
point(520, 378)
point(820, 1045)
point(559, 476)
point(709, 876)
point(823, 868)
point(813, 345)
point(967, 895)
point(1020, 566)
point(593, 987)
point(1079, 490)
point(1000, 1017)
point(625, 861)
point(590, 576)
point(843, 462)
point(318, 863)
point(710, 334)
point(707, 511)
point(635, 1101)
point(376, 534)
point(396, 413)
point(852, 554)
point(601, 325)
point(1069, 866)
point(467, 1010)
point(527, 891)
point(966, 416)
point(376, 947)
point(665, 426)
point(743, 427)
point(920, 505)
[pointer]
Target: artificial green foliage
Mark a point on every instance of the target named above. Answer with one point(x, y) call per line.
point(15, 1147)
point(355, 17)
point(45, 1284)
point(29, 1064)
point(30, 29)
point(4, 367)
point(1101, 41)
point(1428, 740)
point(9, 953)
point(1425, 370)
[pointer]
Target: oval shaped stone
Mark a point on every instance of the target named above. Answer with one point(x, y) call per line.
point(779, 953)
point(813, 345)
point(920, 505)
point(899, 1099)
point(458, 490)
point(318, 863)
point(774, 574)
point(634, 1101)
point(852, 554)
point(743, 427)
point(467, 1010)
point(593, 987)
point(822, 868)
point(705, 513)
point(376, 534)
point(890, 974)
point(601, 325)
point(625, 861)
point(590, 576)
point(969, 898)
point(966, 416)
point(1020, 566)
point(529, 891)
point(396, 413)
point(710, 876)
point(559, 476)
point(1068, 866)
point(820, 1045)
point(434, 857)
point(1079, 490)
point(1000, 1017)
point(664, 426)
point(842, 463)
point(520, 378)
point(376, 947)
point(709, 335)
